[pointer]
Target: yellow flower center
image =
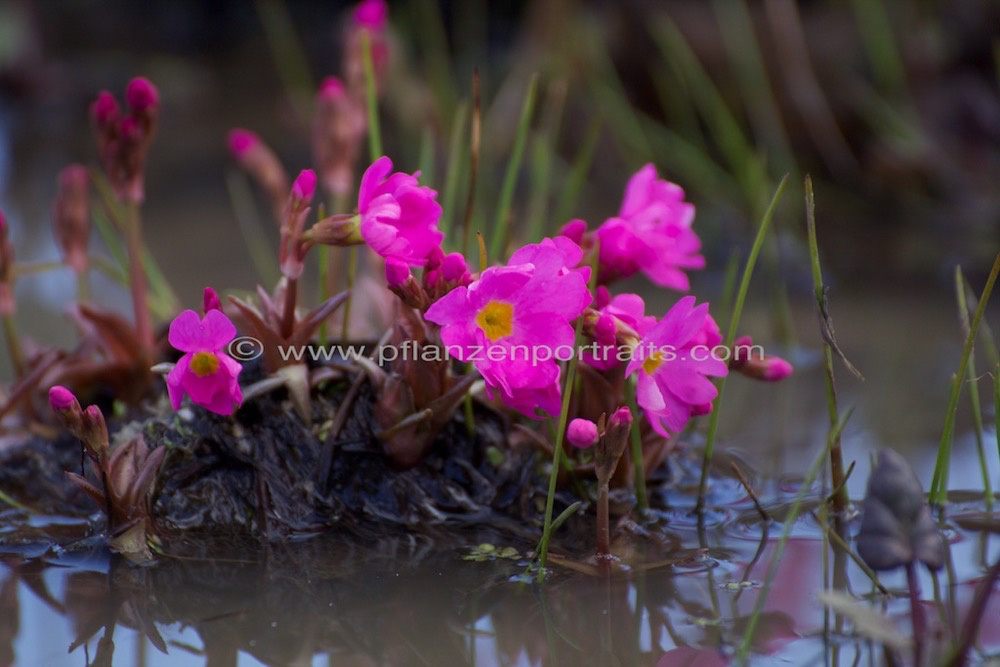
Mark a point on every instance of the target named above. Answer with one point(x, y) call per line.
point(652, 362)
point(496, 319)
point(204, 363)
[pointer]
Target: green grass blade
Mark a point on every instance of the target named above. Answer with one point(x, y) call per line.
point(939, 483)
point(734, 321)
point(977, 413)
point(578, 171)
point(261, 254)
point(289, 56)
point(840, 499)
point(499, 237)
point(452, 180)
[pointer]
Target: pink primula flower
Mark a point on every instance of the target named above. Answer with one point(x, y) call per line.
point(652, 233)
point(399, 217)
point(674, 362)
point(515, 320)
point(205, 373)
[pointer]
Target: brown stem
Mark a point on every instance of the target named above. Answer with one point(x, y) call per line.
point(603, 529)
point(137, 277)
point(916, 613)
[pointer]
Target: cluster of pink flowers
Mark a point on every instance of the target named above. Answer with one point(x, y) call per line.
point(531, 302)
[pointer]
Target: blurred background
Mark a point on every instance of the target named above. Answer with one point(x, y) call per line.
point(891, 105)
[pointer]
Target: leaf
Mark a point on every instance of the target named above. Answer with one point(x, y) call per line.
point(898, 527)
point(867, 621)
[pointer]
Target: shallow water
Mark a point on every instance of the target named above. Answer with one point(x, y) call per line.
point(406, 600)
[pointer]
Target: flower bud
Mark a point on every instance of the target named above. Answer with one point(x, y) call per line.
point(210, 300)
point(397, 272)
point(105, 110)
point(402, 283)
point(336, 230)
point(71, 224)
point(371, 14)
point(574, 231)
point(94, 433)
point(611, 444)
point(241, 142)
point(141, 95)
point(454, 269)
point(67, 409)
point(582, 433)
point(304, 187)
point(262, 165)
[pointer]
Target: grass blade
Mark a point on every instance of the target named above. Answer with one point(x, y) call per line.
point(734, 321)
point(840, 498)
point(939, 483)
point(502, 223)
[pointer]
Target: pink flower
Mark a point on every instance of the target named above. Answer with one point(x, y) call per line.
point(674, 361)
point(618, 317)
point(582, 433)
point(652, 233)
point(399, 217)
point(205, 373)
point(513, 323)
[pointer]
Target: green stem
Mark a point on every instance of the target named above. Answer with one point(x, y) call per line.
point(137, 276)
point(638, 466)
point(498, 239)
point(455, 159)
point(973, 378)
point(734, 321)
point(371, 97)
point(840, 497)
point(543, 546)
point(939, 483)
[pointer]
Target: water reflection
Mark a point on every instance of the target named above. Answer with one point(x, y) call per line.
point(403, 600)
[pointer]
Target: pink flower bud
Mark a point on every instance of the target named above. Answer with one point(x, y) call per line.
point(371, 14)
point(622, 418)
point(574, 231)
point(105, 109)
point(62, 399)
point(210, 300)
point(775, 369)
point(305, 186)
point(582, 433)
point(95, 433)
point(397, 272)
point(71, 223)
point(142, 95)
point(454, 268)
point(331, 90)
point(241, 142)
point(604, 330)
